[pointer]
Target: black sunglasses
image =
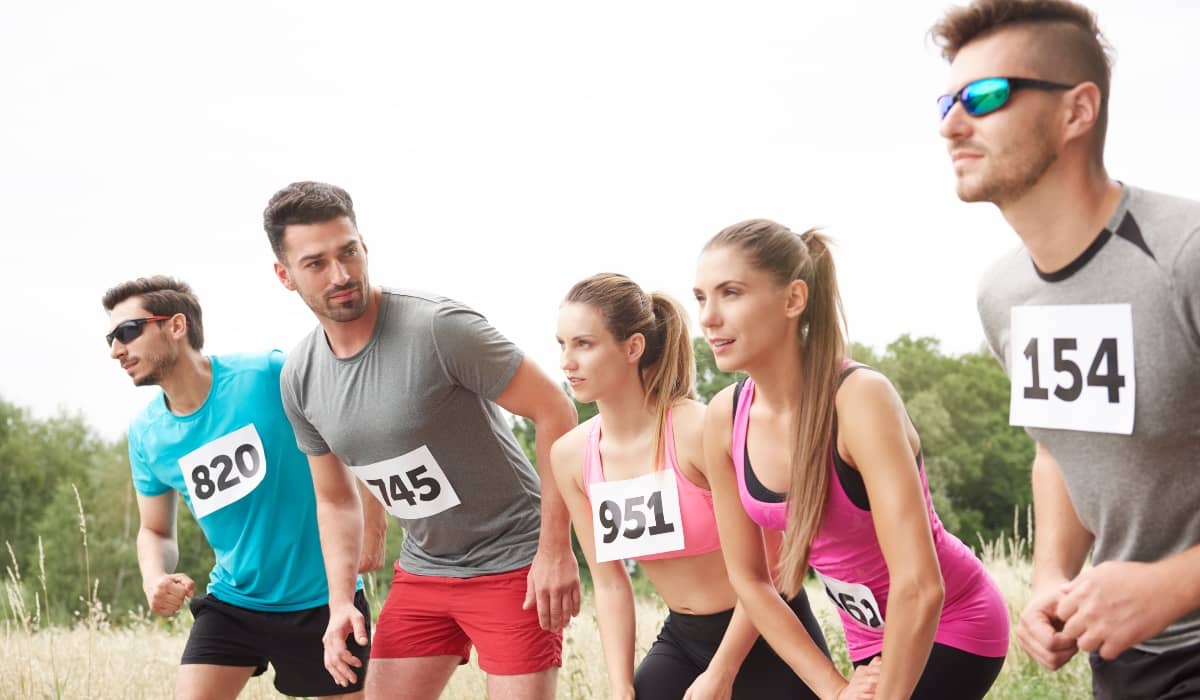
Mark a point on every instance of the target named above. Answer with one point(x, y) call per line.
point(986, 95)
point(128, 331)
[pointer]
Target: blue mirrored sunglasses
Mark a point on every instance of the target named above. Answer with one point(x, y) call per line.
point(986, 95)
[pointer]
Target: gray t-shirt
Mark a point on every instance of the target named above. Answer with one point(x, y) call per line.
point(1139, 493)
point(413, 416)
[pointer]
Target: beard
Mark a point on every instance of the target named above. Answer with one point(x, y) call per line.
point(1014, 173)
point(341, 311)
point(161, 366)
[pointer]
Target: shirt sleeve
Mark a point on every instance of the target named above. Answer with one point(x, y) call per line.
point(308, 438)
point(1186, 275)
point(144, 480)
point(473, 354)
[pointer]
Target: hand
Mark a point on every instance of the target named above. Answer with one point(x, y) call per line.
point(169, 592)
point(710, 686)
point(862, 682)
point(343, 620)
point(1115, 605)
point(1039, 631)
point(553, 584)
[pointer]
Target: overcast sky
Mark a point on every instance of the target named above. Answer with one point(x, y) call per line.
point(497, 153)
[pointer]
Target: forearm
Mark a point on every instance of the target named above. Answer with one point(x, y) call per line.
point(1061, 543)
point(736, 643)
point(157, 555)
point(778, 624)
point(615, 616)
point(555, 531)
point(912, 622)
point(341, 529)
point(375, 524)
point(1184, 570)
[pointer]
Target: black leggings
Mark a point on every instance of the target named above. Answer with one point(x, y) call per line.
point(953, 674)
point(687, 643)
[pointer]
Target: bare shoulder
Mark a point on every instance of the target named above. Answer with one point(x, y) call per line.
point(687, 418)
point(867, 391)
point(566, 455)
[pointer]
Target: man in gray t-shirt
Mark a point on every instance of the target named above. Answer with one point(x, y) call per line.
point(403, 391)
point(1097, 322)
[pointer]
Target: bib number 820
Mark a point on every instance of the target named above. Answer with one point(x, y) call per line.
point(247, 460)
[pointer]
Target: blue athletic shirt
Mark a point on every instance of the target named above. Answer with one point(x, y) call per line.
point(236, 463)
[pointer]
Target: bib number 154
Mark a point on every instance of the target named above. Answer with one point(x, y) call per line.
point(1072, 367)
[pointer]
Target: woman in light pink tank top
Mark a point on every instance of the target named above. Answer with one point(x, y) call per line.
point(633, 481)
point(809, 446)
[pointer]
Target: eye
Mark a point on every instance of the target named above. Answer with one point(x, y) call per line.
point(729, 292)
point(312, 264)
point(585, 343)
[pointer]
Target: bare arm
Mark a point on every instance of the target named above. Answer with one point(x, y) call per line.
point(1060, 548)
point(158, 554)
point(375, 524)
point(340, 519)
point(746, 561)
point(878, 442)
point(554, 576)
point(614, 593)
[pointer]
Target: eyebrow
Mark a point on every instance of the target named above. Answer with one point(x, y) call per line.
point(718, 287)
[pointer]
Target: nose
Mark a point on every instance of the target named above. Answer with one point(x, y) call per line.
point(956, 125)
point(340, 276)
point(565, 361)
point(116, 350)
point(708, 318)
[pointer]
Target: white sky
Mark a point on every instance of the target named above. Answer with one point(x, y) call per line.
point(497, 153)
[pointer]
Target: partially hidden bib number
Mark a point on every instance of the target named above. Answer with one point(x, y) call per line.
point(224, 471)
point(855, 599)
point(636, 517)
point(1072, 367)
point(411, 486)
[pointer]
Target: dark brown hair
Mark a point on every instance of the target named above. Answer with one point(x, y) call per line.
point(162, 296)
point(666, 367)
point(786, 257)
point(304, 203)
point(1069, 44)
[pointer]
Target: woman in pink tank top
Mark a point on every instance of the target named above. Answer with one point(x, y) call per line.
point(808, 446)
point(634, 483)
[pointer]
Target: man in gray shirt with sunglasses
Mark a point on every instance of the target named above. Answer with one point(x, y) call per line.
point(1096, 318)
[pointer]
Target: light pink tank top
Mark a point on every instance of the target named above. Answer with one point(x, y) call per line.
point(695, 503)
point(974, 616)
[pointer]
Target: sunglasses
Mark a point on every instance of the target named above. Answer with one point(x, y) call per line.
point(128, 331)
point(986, 95)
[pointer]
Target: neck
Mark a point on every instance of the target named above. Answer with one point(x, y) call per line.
point(624, 416)
point(349, 337)
point(1060, 216)
point(186, 387)
point(777, 382)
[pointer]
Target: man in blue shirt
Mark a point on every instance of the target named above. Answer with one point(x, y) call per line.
point(218, 435)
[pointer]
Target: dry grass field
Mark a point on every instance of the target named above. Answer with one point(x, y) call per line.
point(94, 659)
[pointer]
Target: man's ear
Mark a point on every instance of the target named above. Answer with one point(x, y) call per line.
point(284, 278)
point(1083, 110)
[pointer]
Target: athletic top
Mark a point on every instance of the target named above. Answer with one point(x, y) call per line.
point(848, 560)
point(1104, 360)
point(413, 415)
point(235, 461)
point(695, 503)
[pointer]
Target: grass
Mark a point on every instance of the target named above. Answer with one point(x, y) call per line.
point(96, 659)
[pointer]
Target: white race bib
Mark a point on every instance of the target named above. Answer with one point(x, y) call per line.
point(411, 486)
point(1072, 367)
point(636, 517)
point(855, 599)
point(224, 471)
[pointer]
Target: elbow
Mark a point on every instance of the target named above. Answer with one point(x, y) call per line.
point(923, 595)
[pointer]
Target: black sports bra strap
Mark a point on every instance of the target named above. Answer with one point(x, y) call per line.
point(737, 392)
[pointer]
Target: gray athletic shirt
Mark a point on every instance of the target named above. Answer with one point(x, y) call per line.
point(1138, 493)
point(414, 417)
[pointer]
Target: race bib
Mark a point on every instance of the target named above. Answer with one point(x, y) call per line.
point(1072, 367)
point(636, 517)
point(855, 599)
point(224, 471)
point(411, 486)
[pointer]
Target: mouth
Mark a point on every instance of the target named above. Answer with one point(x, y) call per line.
point(720, 345)
point(959, 156)
point(575, 381)
point(128, 364)
point(343, 296)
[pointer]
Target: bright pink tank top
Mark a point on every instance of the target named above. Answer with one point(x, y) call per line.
point(695, 503)
point(974, 616)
